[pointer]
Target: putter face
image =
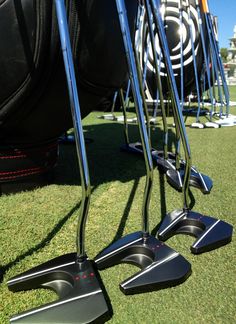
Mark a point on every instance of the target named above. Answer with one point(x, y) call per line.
point(81, 299)
point(161, 266)
point(210, 232)
point(197, 180)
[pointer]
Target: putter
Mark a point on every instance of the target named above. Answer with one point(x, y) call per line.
point(111, 116)
point(167, 162)
point(160, 265)
point(215, 47)
point(181, 53)
point(72, 276)
point(194, 63)
point(212, 99)
point(163, 159)
point(211, 233)
point(170, 163)
point(220, 63)
point(200, 110)
point(175, 175)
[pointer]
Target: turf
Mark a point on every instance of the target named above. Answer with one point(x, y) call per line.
point(39, 225)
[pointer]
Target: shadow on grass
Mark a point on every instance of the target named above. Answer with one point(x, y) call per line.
point(40, 245)
point(163, 202)
point(106, 161)
point(125, 215)
point(107, 164)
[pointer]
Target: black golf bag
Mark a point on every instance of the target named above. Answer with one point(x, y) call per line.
point(34, 108)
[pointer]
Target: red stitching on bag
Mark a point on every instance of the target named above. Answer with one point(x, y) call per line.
point(12, 157)
point(26, 170)
point(24, 151)
point(22, 175)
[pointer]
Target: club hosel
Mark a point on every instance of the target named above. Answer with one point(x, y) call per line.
point(80, 238)
point(146, 235)
point(186, 183)
point(80, 262)
point(146, 201)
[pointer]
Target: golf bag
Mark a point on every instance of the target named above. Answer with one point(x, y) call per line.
point(34, 107)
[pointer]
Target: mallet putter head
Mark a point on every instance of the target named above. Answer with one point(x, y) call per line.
point(135, 148)
point(164, 164)
point(210, 232)
point(81, 299)
point(197, 180)
point(161, 266)
point(174, 177)
point(158, 156)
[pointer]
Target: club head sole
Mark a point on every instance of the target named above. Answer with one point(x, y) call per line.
point(161, 266)
point(81, 298)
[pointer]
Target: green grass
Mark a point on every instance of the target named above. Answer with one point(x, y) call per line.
point(232, 90)
point(39, 225)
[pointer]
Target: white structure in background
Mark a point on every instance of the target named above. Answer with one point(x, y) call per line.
point(230, 66)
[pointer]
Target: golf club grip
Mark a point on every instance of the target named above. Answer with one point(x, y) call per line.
point(205, 7)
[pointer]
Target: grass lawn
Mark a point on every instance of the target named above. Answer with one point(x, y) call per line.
point(39, 225)
point(232, 90)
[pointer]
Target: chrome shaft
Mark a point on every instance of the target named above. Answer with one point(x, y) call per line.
point(77, 123)
point(155, 5)
point(139, 106)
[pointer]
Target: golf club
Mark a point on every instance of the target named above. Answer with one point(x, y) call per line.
point(216, 51)
point(72, 276)
point(211, 233)
point(206, 61)
point(167, 161)
point(111, 116)
point(160, 265)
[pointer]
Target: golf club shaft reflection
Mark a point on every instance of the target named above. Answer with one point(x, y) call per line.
point(139, 105)
point(77, 123)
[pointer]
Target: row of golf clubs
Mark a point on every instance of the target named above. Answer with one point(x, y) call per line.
point(167, 162)
point(212, 58)
point(73, 276)
point(212, 73)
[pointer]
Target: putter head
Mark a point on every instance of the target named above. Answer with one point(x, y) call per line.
point(197, 125)
point(81, 299)
point(134, 148)
point(158, 156)
point(197, 180)
point(212, 125)
point(210, 232)
point(164, 164)
point(161, 266)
